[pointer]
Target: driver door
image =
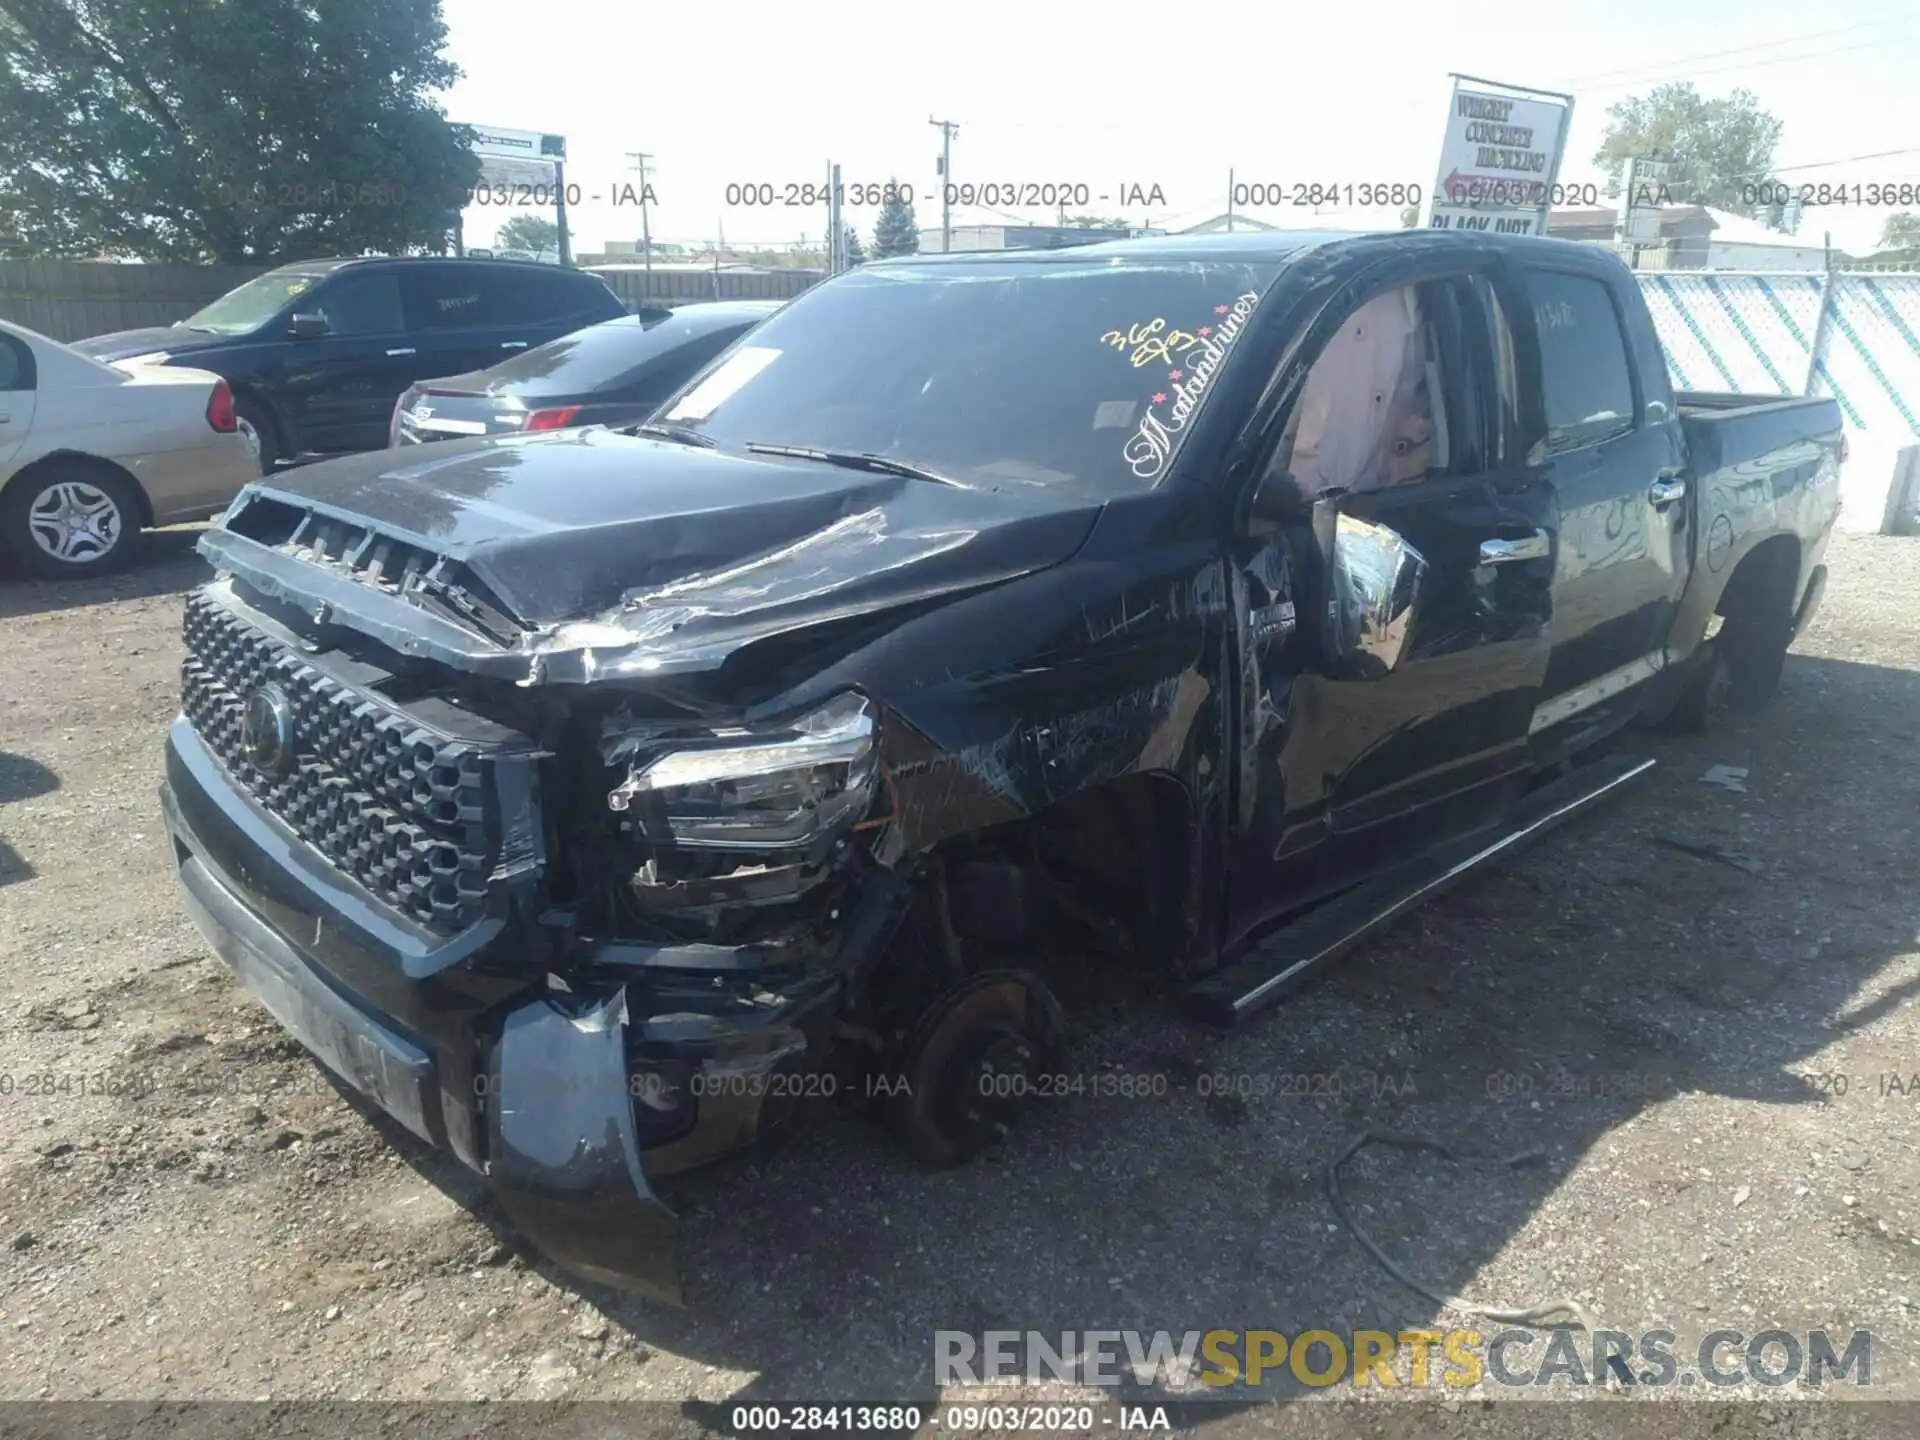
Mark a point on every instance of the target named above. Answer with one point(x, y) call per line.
point(339, 387)
point(1354, 762)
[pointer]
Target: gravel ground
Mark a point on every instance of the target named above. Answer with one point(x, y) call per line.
point(1703, 1054)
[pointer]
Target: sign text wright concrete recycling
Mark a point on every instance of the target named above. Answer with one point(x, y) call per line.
point(1499, 160)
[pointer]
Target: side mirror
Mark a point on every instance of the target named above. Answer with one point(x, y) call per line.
point(307, 326)
point(1373, 591)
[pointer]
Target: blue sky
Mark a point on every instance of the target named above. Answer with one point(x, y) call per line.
point(1130, 93)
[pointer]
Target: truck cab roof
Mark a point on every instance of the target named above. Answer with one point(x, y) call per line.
point(1259, 245)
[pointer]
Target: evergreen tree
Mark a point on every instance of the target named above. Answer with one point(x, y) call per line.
point(856, 252)
point(897, 232)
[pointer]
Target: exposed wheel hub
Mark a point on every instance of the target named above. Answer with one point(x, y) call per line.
point(972, 1062)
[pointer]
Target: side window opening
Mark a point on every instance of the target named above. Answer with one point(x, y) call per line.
point(16, 365)
point(361, 304)
point(1389, 401)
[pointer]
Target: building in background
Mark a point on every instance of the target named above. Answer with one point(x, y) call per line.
point(1695, 237)
point(635, 249)
point(1018, 237)
point(1226, 224)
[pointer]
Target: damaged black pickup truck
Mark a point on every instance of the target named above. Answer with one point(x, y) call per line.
point(586, 799)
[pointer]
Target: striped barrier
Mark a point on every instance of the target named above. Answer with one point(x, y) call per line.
point(1788, 335)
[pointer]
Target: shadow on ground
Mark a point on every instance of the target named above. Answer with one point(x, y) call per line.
point(164, 565)
point(1633, 972)
point(21, 778)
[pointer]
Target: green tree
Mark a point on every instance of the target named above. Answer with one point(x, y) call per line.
point(896, 232)
point(1901, 231)
point(856, 252)
point(533, 233)
point(1096, 222)
point(1718, 152)
point(242, 131)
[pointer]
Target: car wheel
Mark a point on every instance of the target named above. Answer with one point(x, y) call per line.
point(1701, 704)
point(1735, 672)
point(70, 521)
point(256, 427)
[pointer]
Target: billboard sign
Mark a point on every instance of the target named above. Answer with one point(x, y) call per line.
point(490, 141)
point(1499, 159)
point(517, 157)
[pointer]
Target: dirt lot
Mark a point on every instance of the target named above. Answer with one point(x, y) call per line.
point(1701, 1051)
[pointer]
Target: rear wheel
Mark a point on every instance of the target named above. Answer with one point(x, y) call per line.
point(1735, 672)
point(1755, 645)
point(256, 427)
point(69, 520)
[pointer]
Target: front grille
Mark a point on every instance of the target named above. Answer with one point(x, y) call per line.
point(370, 558)
point(409, 813)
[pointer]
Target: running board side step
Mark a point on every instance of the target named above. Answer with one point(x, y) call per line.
point(1284, 959)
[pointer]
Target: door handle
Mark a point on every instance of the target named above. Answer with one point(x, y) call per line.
point(1537, 546)
point(1666, 490)
point(404, 350)
point(513, 345)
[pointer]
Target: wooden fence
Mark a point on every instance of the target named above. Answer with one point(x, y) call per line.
point(634, 284)
point(73, 299)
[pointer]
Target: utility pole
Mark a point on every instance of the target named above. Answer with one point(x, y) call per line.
point(947, 129)
point(639, 161)
point(560, 211)
point(1229, 202)
point(836, 237)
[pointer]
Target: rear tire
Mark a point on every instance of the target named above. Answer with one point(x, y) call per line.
point(1735, 673)
point(1702, 702)
point(70, 520)
point(255, 422)
point(1755, 645)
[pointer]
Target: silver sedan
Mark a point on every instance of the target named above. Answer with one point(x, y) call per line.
point(91, 453)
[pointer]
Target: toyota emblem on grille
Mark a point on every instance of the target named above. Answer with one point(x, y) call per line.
point(266, 730)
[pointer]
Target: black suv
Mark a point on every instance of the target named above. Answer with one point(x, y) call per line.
point(318, 351)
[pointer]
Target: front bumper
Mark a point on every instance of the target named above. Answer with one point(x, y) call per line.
point(466, 1045)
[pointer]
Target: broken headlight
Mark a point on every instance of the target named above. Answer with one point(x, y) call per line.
point(757, 789)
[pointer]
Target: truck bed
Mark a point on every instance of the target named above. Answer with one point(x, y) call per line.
point(1725, 430)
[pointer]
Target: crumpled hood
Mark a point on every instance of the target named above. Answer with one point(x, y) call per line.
point(599, 540)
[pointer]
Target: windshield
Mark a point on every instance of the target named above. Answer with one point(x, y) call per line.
point(253, 304)
point(991, 374)
point(616, 354)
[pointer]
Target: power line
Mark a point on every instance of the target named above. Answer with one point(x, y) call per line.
point(1829, 164)
point(1747, 65)
point(1737, 50)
